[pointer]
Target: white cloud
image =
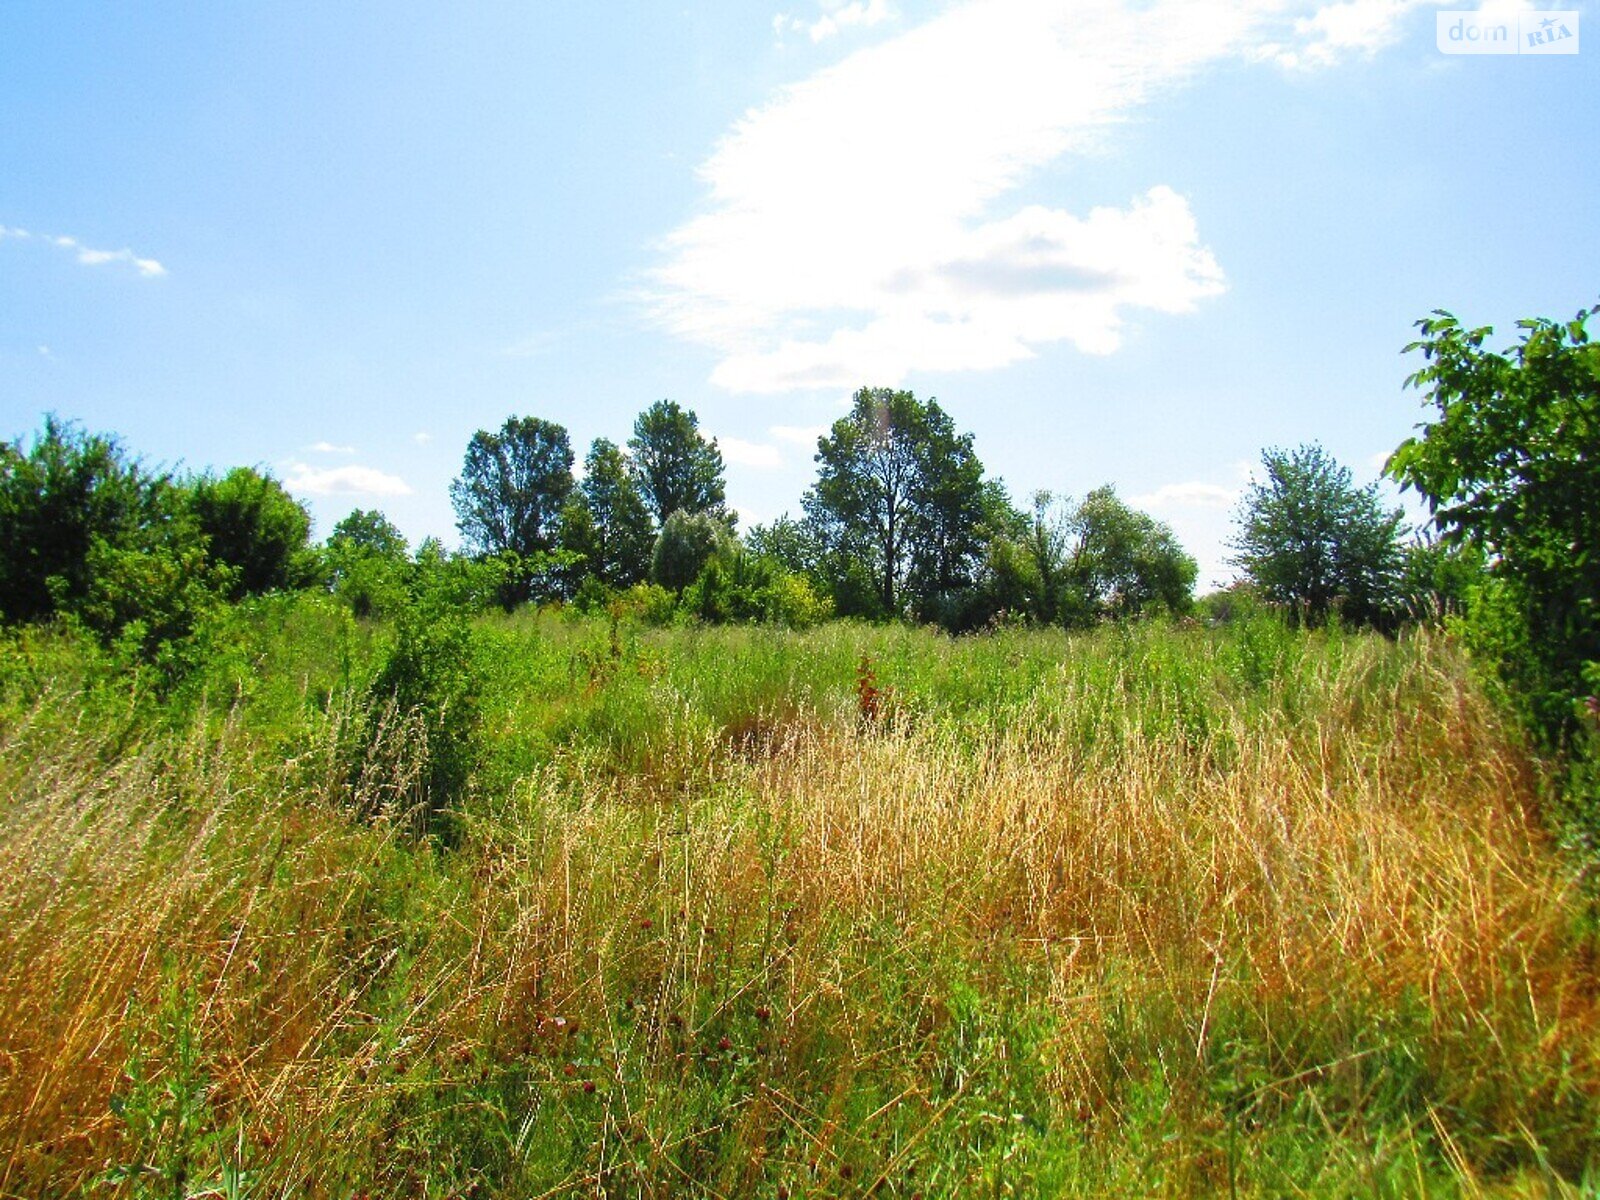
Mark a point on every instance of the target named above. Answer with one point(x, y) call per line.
point(835, 16)
point(1336, 31)
point(147, 267)
point(804, 436)
point(422, 438)
point(1187, 495)
point(329, 448)
point(87, 255)
point(848, 237)
point(750, 454)
point(349, 480)
point(854, 228)
point(842, 16)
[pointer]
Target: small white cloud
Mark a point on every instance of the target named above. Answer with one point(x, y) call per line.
point(349, 480)
point(1187, 495)
point(837, 16)
point(329, 448)
point(422, 438)
point(750, 454)
point(147, 267)
point(1349, 28)
point(1379, 460)
point(90, 257)
point(44, 352)
point(804, 436)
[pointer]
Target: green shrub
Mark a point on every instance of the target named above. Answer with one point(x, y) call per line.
point(428, 689)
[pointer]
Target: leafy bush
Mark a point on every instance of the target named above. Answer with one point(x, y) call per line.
point(432, 675)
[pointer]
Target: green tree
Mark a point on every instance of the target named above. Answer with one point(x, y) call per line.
point(368, 531)
point(57, 497)
point(1098, 558)
point(1124, 560)
point(509, 496)
point(615, 536)
point(367, 563)
point(1317, 544)
point(1511, 466)
point(253, 526)
point(687, 542)
point(900, 494)
point(677, 468)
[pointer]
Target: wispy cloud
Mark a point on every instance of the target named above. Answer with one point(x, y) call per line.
point(836, 15)
point(1187, 495)
point(87, 255)
point(1345, 29)
point(422, 437)
point(750, 454)
point(850, 232)
point(329, 448)
point(351, 480)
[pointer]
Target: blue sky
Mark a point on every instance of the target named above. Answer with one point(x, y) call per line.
point(1126, 242)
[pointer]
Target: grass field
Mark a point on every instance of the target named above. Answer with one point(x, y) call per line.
point(738, 912)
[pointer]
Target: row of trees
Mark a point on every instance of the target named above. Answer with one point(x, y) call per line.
point(901, 521)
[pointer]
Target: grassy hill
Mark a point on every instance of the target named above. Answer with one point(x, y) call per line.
point(739, 912)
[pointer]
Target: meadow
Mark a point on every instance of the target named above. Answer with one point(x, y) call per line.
point(1156, 909)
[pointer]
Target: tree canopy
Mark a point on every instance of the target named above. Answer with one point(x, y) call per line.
point(1317, 544)
point(900, 493)
point(677, 468)
point(1511, 466)
point(512, 486)
point(617, 536)
point(253, 526)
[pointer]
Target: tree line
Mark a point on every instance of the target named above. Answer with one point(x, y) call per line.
point(900, 522)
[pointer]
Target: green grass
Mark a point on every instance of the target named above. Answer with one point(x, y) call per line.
point(1148, 911)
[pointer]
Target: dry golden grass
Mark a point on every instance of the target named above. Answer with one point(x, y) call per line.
point(805, 969)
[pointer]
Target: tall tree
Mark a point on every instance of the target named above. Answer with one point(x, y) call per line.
point(900, 493)
point(512, 486)
point(1313, 541)
point(618, 538)
point(678, 469)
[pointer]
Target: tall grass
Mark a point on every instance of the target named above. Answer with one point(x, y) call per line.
point(1150, 911)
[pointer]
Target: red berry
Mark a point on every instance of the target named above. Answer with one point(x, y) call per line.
point(723, 1043)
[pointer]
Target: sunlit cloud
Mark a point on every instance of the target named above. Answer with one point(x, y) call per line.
point(1187, 495)
point(348, 480)
point(329, 448)
point(836, 15)
point(850, 232)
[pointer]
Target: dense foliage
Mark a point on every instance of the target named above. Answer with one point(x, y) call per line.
point(1317, 544)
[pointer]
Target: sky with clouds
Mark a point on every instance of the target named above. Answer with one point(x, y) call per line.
point(1131, 242)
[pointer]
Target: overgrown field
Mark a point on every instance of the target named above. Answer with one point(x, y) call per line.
point(738, 912)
